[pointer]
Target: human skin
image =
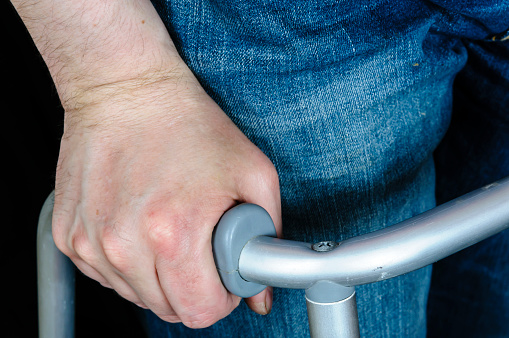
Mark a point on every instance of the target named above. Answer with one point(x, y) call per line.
point(148, 162)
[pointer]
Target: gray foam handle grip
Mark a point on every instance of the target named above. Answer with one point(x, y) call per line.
point(237, 227)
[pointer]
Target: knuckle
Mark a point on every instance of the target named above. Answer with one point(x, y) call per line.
point(168, 234)
point(83, 248)
point(160, 235)
point(115, 250)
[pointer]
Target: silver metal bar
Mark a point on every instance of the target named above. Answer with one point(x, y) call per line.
point(332, 311)
point(333, 320)
point(55, 281)
point(396, 250)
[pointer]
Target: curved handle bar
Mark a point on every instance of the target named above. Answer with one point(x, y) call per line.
point(376, 256)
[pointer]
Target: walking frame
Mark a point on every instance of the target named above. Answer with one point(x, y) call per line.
point(249, 258)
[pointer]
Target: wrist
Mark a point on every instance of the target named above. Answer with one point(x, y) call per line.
point(137, 89)
point(148, 102)
point(93, 45)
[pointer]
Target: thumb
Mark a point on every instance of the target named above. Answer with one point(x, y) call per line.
point(262, 302)
point(263, 189)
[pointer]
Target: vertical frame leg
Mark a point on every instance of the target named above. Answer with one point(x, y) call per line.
point(55, 281)
point(332, 311)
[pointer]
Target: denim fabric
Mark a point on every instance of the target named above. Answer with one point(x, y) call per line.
point(470, 290)
point(349, 99)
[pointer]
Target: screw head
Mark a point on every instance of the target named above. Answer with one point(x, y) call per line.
point(324, 246)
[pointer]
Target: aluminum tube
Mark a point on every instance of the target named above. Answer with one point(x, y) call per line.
point(383, 254)
point(333, 320)
point(332, 311)
point(55, 281)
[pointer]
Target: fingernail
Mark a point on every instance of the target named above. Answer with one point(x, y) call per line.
point(264, 307)
point(268, 300)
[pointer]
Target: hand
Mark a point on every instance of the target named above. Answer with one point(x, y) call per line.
point(140, 189)
point(148, 162)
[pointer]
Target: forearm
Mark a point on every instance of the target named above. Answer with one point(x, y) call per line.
point(97, 45)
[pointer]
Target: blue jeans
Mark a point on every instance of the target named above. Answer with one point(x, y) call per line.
point(349, 100)
point(469, 294)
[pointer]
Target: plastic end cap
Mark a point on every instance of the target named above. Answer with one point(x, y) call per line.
point(237, 227)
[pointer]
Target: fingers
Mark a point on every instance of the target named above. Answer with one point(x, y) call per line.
point(120, 267)
point(167, 268)
point(145, 285)
point(187, 273)
point(262, 302)
point(199, 299)
point(172, 272)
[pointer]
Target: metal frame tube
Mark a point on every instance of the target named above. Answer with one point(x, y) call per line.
point(396, 250)
point(332, 311)
point(55, 281)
